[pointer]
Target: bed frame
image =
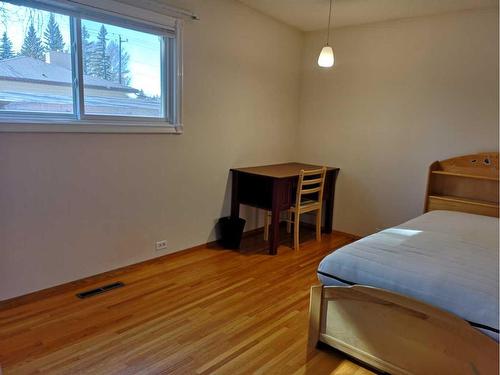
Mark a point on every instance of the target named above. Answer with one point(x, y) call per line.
point(398, 334)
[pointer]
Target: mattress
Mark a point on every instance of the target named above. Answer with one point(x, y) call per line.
point(444, 258)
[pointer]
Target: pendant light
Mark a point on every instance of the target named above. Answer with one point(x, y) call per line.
point(326, 58)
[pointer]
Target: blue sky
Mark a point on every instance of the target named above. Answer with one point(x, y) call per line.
point(143, 48)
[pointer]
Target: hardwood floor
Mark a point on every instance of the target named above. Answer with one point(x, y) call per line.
point(207, 311)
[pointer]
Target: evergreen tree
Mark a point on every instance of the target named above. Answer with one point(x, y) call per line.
point(32, 45)
point(6, 51)
point(53, 38)
point(119, 68)
point(99, 63)
point(87, 47)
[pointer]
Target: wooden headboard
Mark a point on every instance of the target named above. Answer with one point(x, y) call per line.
point(466, 183)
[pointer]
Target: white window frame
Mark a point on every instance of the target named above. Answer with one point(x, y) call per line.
point(170, 28)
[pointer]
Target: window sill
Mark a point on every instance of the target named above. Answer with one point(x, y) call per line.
point(83, 126)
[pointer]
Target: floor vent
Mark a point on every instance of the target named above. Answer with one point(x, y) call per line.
point(102, 289)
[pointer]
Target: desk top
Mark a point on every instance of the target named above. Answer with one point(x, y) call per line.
point(280, 170)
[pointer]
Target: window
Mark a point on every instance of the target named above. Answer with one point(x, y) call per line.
point(64, 66)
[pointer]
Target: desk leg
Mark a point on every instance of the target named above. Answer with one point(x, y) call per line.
point(235, 200)
point(330, 199)
point(274, 237)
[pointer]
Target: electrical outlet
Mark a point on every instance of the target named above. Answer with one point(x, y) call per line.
point(161, 245)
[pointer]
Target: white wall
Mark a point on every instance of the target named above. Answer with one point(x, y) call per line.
point(73, 205)
point(402, 95)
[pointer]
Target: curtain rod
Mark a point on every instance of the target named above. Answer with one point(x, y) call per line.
point(96, 4)
point(170, 9)
point(180, 11)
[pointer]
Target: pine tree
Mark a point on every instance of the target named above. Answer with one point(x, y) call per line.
point(99, 63)
point(119, 68)
point(6, 51)
point(32, 45)
point(87, 47)
point(53, 38)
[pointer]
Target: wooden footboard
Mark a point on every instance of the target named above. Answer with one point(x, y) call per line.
point(398, 334)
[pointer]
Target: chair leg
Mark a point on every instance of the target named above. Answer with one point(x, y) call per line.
point(289, 221)
point(318, 225)
point(296, 230)
point(266, 226)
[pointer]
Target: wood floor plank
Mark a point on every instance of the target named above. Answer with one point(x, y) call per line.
point(206, 311)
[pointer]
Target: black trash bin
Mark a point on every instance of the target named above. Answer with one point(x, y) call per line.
point(231, 230)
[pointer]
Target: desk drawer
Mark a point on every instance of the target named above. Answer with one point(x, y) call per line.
point(256, 191)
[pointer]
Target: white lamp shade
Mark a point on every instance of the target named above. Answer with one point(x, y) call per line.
point(326, 58)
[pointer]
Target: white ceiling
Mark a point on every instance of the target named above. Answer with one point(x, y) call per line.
point(308, 15)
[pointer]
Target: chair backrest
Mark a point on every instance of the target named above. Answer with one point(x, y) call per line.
point(311, 182)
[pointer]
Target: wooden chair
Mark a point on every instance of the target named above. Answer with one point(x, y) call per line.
point(310, 182)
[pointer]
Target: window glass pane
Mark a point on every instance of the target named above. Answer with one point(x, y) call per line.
point(35, 61)
point(122, 74)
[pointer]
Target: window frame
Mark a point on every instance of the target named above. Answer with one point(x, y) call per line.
point(78, 121)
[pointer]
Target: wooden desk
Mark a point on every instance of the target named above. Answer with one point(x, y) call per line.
point(272, 188)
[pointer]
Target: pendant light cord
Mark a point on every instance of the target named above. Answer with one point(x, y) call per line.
point(329, 19)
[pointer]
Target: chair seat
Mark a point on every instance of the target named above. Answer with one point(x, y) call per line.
point(307, 205)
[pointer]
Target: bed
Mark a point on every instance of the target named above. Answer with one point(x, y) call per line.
point(421, 297)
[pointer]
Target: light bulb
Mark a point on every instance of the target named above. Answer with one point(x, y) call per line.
point(326, 58)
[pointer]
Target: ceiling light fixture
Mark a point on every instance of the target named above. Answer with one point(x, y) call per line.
point(326, 58)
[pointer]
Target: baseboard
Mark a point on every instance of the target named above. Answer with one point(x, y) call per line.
point(84, 282)
point(355, 237)
point(253, 232)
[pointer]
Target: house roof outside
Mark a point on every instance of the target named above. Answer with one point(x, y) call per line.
point(57, 72)
point(29, 69)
